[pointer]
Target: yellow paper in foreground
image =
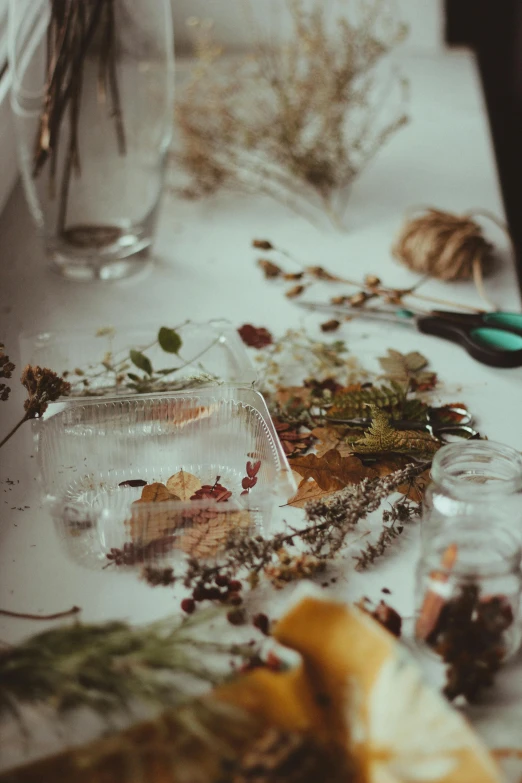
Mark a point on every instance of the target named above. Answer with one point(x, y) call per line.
point(356, 686)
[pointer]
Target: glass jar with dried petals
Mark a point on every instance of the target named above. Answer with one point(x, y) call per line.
point(470, 478)
point(469, 584)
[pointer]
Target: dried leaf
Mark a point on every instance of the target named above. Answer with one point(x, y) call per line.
point(156, 493)
point(269, 269)
point(330, 326)
point(308, 490)
point(408, 369)
point(382, 438)
point(297, 290)
point(332, 471)
point(320, 273)
point(413, 490)
point(183, 484)
point(208, 537)
point(354, 401)
point(255, 336)
point(330, 438)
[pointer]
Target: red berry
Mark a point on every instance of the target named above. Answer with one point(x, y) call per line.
point(198, 594)
point(221, 580)
point(234, 599)
point(235, 586)
point(236, 616)
point(262, 622)
point(188, 605)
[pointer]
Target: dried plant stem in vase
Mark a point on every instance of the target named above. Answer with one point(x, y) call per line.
point(297, 120)
point(86, 75)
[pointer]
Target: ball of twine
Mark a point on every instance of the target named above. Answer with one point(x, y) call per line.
point(444, 246)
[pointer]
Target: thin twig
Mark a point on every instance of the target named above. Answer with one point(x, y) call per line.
point(55, 616)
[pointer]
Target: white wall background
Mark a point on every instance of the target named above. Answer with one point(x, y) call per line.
point(234, 26)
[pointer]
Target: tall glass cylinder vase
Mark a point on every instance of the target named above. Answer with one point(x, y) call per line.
point(92, 96)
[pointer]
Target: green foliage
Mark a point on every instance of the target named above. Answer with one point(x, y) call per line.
point(107, 666)
point(169, 340)
point(391, 398)
point(141, 361)
point(382, 438)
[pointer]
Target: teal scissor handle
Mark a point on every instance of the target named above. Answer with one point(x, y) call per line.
point(491, 338)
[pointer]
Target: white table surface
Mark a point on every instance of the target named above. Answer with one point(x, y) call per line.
point(205, 269)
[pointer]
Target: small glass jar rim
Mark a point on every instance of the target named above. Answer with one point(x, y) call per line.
point(457, 452)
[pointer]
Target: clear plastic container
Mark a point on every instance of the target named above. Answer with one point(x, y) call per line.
point(471, 479)
point(88, 448)
point(469, 584)
point(210, 352)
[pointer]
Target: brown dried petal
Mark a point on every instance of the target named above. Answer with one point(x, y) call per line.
point(297, 290)
point(330, 326)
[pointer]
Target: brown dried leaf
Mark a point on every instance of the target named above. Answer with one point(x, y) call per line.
point(270, 270)
point(401, 367)
point(330, 438)
point(157, 493)
point(307, 490)
point(297, 290)
point(330, 326)
point(298, 395)
point(207, 538)
point(413, 490)
point(332, 471)
point(320, 273)
point(183, 484)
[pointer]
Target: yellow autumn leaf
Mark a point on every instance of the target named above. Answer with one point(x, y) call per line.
point(183, 484)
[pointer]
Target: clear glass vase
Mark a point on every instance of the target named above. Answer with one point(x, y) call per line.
point(92, 98)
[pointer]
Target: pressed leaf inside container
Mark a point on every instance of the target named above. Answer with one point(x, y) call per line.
point(95, 457)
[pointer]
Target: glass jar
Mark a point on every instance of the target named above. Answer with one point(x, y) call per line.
point(470, 478)
point(467, 612)
point(92, 98)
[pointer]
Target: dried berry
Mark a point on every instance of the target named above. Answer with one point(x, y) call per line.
point(262, 622)
point(236, 617)
point(188, 605)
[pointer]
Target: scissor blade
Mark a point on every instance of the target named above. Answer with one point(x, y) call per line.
point(388, 316)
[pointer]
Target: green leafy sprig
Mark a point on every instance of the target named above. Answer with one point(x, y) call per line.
point(107, 667)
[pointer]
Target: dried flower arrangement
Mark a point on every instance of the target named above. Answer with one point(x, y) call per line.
point(318, 117)
point(362, 458)
point(72, 28)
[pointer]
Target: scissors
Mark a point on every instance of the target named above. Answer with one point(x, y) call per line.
point(490, 338)
point(439, 430)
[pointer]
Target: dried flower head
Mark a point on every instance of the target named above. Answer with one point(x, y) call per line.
point(44, 386)
point(318, 117)
point(6, 370)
